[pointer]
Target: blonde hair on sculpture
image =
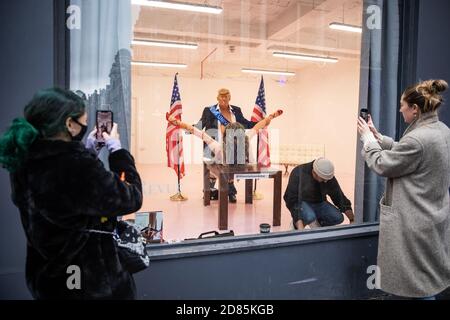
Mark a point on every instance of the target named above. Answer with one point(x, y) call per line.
point(222, 92)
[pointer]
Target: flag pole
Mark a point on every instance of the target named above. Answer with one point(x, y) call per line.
point(257, 195)
point(178, 196)
point(178, 177)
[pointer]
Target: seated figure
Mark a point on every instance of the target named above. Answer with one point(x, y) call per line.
point(235, 147)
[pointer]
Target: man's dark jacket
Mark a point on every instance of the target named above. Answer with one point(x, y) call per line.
point(62, 190)
point(209, 121)
point(312, 191)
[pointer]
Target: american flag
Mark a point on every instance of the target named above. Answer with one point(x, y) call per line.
point(259, 112)
point(174, 137)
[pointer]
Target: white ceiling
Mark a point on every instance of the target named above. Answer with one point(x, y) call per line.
point(246, 34)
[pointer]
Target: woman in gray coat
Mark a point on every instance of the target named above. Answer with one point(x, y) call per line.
point(414, 239)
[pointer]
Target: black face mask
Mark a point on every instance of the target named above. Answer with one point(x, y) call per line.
point(83, 131)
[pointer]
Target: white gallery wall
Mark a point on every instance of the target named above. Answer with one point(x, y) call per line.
point(320, 107)
point(327, 113)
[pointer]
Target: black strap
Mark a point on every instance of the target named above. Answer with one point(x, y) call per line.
point(299, 199)
point(53, 222)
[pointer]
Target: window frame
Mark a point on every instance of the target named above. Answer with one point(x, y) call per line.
point(407, 75)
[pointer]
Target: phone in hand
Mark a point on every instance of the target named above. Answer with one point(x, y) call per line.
point(364, 113)
point(104, 123)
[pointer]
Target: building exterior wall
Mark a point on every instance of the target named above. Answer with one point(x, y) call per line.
point(311, 265)
point(27, 58)
point(327, 269)
point(433, 51)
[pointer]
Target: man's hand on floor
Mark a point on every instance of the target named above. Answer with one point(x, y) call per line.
point(350, 215)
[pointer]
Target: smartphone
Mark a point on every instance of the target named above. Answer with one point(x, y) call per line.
point(104, 123)
point(364, 113)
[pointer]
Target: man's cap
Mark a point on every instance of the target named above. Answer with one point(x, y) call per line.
point(324, 168)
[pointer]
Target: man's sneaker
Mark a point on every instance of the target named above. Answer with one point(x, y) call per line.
point(214, 194)
point(232, 198)
point(292, 225)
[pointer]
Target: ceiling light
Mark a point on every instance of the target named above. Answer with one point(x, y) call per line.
point(260, 71)
point(300, 56)
point(345, 27)
point(158, 64)
point(168, 44)
point(179, 6)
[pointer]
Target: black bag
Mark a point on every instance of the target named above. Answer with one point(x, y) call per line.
point(131, 247)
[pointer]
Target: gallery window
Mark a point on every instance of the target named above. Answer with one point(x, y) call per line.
point(320, 61)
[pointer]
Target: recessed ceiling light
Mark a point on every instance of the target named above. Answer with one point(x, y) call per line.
point(158, 64)
point(345, 27)
point(179, 6)
point(306, 57)
point(274, 72)
point(168, 44)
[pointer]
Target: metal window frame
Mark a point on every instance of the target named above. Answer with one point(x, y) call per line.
point(214, 246)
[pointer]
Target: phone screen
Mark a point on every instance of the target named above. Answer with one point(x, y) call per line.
point(104, 123)
point(364, 113)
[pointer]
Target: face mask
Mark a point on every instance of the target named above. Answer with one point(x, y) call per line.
point(83, 131)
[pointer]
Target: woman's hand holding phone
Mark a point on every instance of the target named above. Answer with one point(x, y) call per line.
point(372, 127)
point(112, 139)
point(92, 143)
point(113, 135)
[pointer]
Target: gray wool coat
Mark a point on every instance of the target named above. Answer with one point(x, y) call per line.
point(414, 239)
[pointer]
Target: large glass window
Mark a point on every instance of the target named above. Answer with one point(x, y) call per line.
point(125, 56)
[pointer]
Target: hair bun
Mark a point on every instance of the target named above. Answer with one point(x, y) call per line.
point(431, 88)
point(438, 86)
point(14, 144)
point(24, 133)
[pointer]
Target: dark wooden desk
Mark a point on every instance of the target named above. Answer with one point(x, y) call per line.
point(227, 173)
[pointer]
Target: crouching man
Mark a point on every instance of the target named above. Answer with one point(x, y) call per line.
point(306, 196)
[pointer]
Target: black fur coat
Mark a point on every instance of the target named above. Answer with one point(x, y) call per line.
point(61, 190)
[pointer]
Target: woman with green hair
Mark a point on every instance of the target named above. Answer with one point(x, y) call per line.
point(64, 193)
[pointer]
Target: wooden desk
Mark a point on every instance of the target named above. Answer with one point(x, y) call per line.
point(227, 173)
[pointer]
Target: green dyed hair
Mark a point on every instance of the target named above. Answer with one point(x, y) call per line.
point(15, 142)
point(45, 117)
